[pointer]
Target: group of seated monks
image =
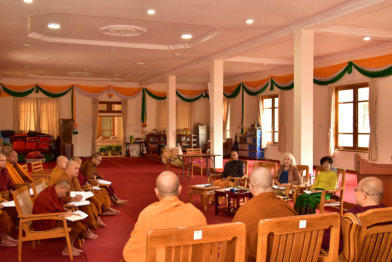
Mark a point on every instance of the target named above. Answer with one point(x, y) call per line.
point(265, 204)
point(68, 175)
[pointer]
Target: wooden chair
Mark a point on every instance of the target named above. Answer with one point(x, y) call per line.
point(239, 180)
point(205, 243)
point(38, 170)
point(367, 236)
point(199, 161)
point(272, 166)
point(24, 207)
point(24, 167)
point(297, 238)
point(38, 186)
point(336, 202)
point(303, 170)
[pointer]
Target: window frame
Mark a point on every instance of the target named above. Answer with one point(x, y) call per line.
point(273, 96)
point(109, 106)
point(355, 103)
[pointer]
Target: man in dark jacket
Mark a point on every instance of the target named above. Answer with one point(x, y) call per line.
point(233, 168)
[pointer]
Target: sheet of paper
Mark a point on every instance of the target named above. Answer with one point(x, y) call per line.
point(31, 192)
point(84, 194)
point(8, 204)
point(308, 192)
point(95, 188)
point(203, 185)
point(278, 187)
point(104, 182)
point(76, 216)
point(80, 203)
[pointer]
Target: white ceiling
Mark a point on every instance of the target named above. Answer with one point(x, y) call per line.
point(80, 49)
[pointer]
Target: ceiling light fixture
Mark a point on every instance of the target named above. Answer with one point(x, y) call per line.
point(177, 54)
point(249, 21)
point(186, 36)
point(54, 26)
point(28, 1)
point(44, 58)
point(27, 67)
point(151, 11)
point(26, 45)
point(367, 38)
point(112, 50)
point(140, 63)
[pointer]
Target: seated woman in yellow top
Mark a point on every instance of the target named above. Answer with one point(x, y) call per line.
point(325, 180)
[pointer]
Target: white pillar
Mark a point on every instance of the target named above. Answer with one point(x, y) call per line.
point(303, 97)
point(216, 111)
point(171, 111)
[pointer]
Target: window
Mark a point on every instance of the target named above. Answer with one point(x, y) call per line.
point(109, 107)
point(270, 119)
point(109, 127)
point(352, 117)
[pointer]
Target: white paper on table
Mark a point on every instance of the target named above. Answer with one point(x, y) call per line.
point(84, 194)
point(225, 189)
point(80, 203)
point(31, 192)
point(203, 185)
point(77, 215)
point(8, 204)
point(104, 182)
point(278, 187)
point(95, 188)
point(308, 192)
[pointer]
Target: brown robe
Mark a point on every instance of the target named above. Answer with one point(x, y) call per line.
point(48, 202)
point(5, 220)
point(91, 210)
point(263, 206)
point(6, 183)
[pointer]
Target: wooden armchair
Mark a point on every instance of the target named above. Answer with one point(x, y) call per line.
point(24, 167)
point(205, 243)
point(238, 181)
point(38, 170)
point(24, 207)
point(199, 161)
point(272, 166)
point(38, 186)
point(367, 236)
point(336, 202)
point(303, 171)
point(297, 238)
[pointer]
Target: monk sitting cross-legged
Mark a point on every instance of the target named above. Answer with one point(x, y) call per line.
point(5, 228)
point(18, 175)
point(70, 174)
point(50, 201)
point(90, 172)
point(101, 197)
point(168, 212)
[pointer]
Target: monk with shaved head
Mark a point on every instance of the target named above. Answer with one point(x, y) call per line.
point(168, 212)
point(264, 204)
point(18, 175)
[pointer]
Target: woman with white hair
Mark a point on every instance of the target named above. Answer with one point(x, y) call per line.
point(288, 172)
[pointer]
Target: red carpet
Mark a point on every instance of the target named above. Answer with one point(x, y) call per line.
point(133, 179)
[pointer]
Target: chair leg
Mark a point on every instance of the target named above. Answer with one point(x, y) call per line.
point(20, 243)
point(33, 244)
point(69, 246)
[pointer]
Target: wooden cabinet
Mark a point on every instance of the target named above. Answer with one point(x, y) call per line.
point(187, 141)
point(154, 142)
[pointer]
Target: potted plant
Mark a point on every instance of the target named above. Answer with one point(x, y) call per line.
point(118, 149)
point(103, 150)
point(110, 149)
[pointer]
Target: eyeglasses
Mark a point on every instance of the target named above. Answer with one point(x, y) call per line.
point(360, 190)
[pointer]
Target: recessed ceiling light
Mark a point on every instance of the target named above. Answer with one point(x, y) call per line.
point(44, 58)
point(26, 45)
point(151, 11)
point(186, 36)
point(116, 75)
point(177, 54)
point(367, 38)
point(249, 21)
point(26, 66)
point(54, 26)
point(140, 63)
point(112, 50)
point(28, 1)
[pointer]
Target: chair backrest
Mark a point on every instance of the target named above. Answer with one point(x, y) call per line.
point(205, 243)
point(193, 151)
point(303, 171)
point(37, 166)
point(24, 167)
point(246, 171)
point(297, 238)
point(38, 186)
point(341, 176)
point(23, 203)
point(269, 165)
point(367, 236)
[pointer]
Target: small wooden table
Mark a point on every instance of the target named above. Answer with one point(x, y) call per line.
point(238, 195)
point(204, 192)
point(186, 158)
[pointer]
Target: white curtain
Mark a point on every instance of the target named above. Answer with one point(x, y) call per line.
point(37, 114)
point(161, 114)
point(373, 95)
point(184, 114)
point(124, 108)
point(226, 117)
point(95, 125)
point(282, 121)
point(331, 111)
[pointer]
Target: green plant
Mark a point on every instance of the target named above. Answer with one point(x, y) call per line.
point(118, 149)
point(102, 150)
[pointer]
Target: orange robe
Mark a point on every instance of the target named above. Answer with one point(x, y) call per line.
point(48, 202)
point(5, 220)
point(263, 206)
point(18, 175)
point(169, 212)
point(91, 210)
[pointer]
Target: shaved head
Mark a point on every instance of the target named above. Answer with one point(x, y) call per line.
point(373, 187)
point(72, 168)
point(167, 184)
point(12, 157)
point(62, 162)
point(2, 160)
point(260, 181)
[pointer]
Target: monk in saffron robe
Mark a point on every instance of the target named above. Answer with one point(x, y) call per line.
point(264, 204)
point(90, 172)
point(70, 173)
point(61, 162)
point(168, 212)
point(50, 201)
point(18, 175)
